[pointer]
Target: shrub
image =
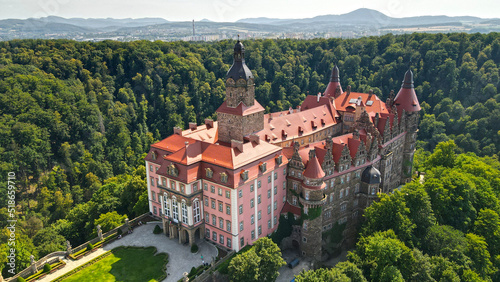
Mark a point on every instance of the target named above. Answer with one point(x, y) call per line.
point(194, 248)
point(20, 279)
point(192, 272)
point(157, 230)
point(90, 247)
point(47, 268)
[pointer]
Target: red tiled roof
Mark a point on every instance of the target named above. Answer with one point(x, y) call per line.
point(201, 133)
point(312, 101)
point(173, 143)
point(241, 109)
point(407, 98)
point(222, 154)
point(353, 146)
point(290, 208)
point(332, 88)
point(313, 169)
point(342, 103)
point(285, 126)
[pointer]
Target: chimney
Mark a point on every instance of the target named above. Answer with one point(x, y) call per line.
point(193, 125)
point(177, 130)
point(209, 123)
point(254, 138)
point(237, 144)
point(358, 102)
point(348, 90)
point(298, 109)
point(370, 94)
point(290, 110)
point(319, 96)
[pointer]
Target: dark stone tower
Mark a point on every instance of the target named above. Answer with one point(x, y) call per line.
point(312, 199)
point(370, 182)
point(408, 110)
point(240, 114)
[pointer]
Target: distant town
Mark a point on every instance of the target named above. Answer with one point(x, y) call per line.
point(359, 23)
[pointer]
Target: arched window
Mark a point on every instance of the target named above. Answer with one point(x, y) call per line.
point(184, 213)
point(175, 210)
point(196, 211)
point(167, 206)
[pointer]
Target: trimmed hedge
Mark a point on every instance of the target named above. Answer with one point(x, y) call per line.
point(157, 230)
point(97, 259)
point(99, 244)
point(43, 272)
point(194, 248)
point(47, 268)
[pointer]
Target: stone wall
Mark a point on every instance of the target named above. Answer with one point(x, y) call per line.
point(55, 256)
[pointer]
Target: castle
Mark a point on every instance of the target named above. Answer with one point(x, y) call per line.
point(230, 180)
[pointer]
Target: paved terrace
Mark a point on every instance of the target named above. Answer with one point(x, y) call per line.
point(180, 258)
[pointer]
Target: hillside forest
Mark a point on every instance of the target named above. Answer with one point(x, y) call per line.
point(78, 117)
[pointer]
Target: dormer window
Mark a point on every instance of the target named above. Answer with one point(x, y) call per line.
point(244, 175)
point(223, 177)
point(263, 167)
point(209, 172)
point(279, 160)
point(172, 170)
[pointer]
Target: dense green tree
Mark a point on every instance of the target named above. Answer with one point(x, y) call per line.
point(110, 220)
point(270, 259)
point(245, 267)
point(48, 240)
point(322, 274)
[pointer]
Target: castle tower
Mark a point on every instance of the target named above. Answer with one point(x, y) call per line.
point(370, 182)
point(312, 199)
point(331, 89)
point(408, 109)
point(240, 114)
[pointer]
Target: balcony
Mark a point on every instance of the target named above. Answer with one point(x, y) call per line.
point(313, 203)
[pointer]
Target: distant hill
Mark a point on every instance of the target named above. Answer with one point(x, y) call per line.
point(365, 17)
point(360, 22)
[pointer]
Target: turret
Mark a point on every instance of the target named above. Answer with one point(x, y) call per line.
point(240, 115)
point(331, 89)
point(407, 98)
point(408, 110)
point(312, 201)
point(239, 69)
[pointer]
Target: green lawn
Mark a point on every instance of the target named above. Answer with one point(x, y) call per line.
point(125, 264)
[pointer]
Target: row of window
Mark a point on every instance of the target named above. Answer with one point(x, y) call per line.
point(219, 204)
point(220, 191)
point(221, 238)
point(172, 211)
point(252, 204)
point(220, 220)
point(173, 185)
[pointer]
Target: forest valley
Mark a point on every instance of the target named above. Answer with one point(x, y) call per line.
point(77, 119)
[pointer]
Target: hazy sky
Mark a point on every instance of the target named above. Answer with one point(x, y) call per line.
point(232, 10)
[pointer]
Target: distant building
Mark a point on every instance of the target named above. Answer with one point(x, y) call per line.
point(230, 180)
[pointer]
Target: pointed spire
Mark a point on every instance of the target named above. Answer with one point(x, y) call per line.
point(334, 84)
point(407, 98)
point(239, 69)
point(313, 168)
point(335, 74)
point(408, 81)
